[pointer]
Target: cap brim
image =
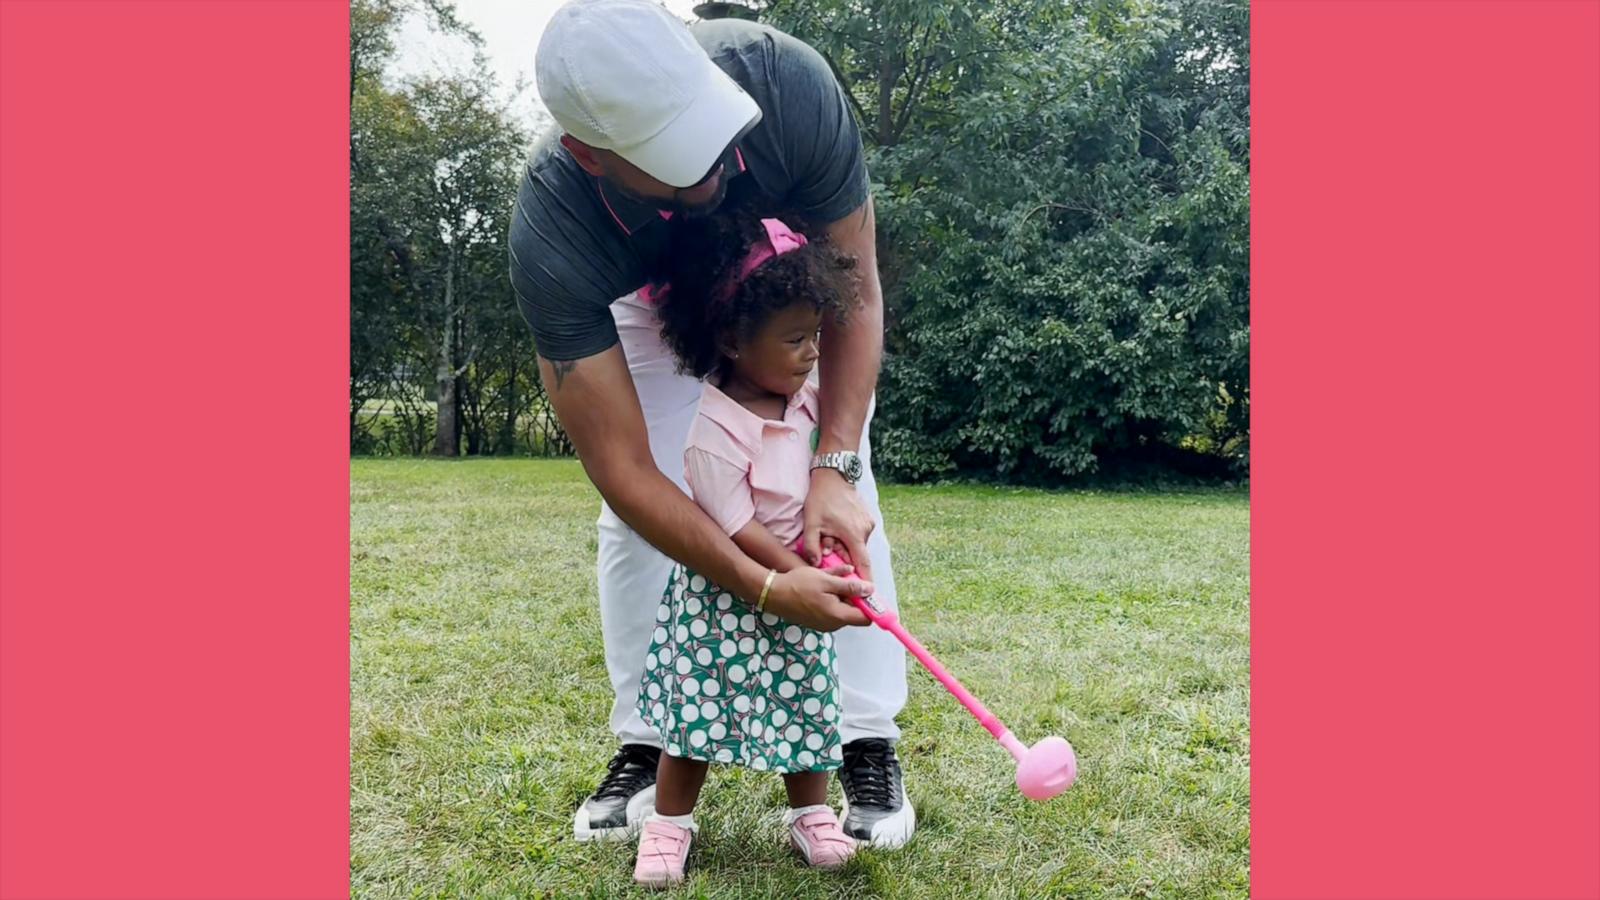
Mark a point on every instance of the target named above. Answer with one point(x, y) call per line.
point(681, 154)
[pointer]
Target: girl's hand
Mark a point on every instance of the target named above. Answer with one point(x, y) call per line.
point(818, 599)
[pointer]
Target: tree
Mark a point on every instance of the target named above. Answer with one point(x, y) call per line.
point(473, 150)
point(434, 163)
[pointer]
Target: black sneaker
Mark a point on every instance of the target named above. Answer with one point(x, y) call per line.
point(625, 796)
point(876, 809)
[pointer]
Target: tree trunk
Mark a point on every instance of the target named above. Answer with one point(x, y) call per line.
point(471, 415)
point(886, 80)
point(888, 74)
point(506, 443)
point(447, 434)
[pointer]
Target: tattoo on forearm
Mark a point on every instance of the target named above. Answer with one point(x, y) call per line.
point(562, 369)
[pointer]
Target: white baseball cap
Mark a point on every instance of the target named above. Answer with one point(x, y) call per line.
point(627, 76)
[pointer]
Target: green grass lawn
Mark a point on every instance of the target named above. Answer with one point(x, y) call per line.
point(1119, 620)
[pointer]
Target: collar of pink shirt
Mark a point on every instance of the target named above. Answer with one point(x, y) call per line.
point(748, 429)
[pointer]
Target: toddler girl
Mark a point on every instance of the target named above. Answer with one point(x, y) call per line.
point(725, 681)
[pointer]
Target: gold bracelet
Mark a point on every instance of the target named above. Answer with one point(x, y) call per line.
point(761, 603)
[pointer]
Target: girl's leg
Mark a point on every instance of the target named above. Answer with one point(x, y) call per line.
point(805, 788)
point(678, 783)
point(664, 840)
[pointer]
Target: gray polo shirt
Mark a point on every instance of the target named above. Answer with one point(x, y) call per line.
point(577, 245)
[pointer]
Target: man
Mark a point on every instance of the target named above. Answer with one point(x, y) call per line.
point(655, 120)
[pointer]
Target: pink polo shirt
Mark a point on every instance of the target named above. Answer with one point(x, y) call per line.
point(741, 467)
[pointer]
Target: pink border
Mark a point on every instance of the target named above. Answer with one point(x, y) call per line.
point(173, 632)
point(1426, 501)
point(174, 341)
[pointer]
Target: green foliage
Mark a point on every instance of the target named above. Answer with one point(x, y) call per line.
point(1063, 199)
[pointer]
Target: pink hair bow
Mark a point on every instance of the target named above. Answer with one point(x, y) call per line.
point(780, 240)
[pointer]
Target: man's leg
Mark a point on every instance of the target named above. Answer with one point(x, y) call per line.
point(872, 664)
point(872, 688)
point(631, 577)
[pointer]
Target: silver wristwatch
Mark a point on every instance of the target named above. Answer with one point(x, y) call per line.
point(846, 462)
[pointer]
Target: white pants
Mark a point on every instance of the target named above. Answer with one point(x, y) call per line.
point(872, 664)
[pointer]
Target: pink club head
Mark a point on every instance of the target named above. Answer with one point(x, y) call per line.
point(1046, 769)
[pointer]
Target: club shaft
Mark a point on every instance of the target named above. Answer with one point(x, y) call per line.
point(889, 622)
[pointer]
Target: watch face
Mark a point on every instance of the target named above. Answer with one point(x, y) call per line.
point(852, 468)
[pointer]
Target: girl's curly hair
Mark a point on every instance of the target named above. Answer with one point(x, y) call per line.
point(703, 256)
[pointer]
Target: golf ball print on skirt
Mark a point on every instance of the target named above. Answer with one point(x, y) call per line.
point(723, 683)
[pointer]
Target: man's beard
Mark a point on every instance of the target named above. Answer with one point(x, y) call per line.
point(706, 207)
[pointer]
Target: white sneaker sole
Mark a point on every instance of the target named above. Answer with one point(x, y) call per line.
point(641, 805)
point(892, 832)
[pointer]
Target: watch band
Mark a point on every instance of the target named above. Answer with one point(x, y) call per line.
point(845, 462)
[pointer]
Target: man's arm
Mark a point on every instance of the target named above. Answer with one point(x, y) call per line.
point(851, 355)
point(595, 400)
point(825, 155)
point(852, 352)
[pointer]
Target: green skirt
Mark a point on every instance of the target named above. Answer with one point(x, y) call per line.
point(725, 684)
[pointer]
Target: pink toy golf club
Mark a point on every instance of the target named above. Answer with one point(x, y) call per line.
point(1043, 770)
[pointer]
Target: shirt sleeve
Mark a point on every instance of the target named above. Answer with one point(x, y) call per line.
point(823, 141)
point(563, 278)
point(721, 488)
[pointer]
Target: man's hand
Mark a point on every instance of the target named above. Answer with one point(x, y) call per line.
point(815, 598)
point(835, 515)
